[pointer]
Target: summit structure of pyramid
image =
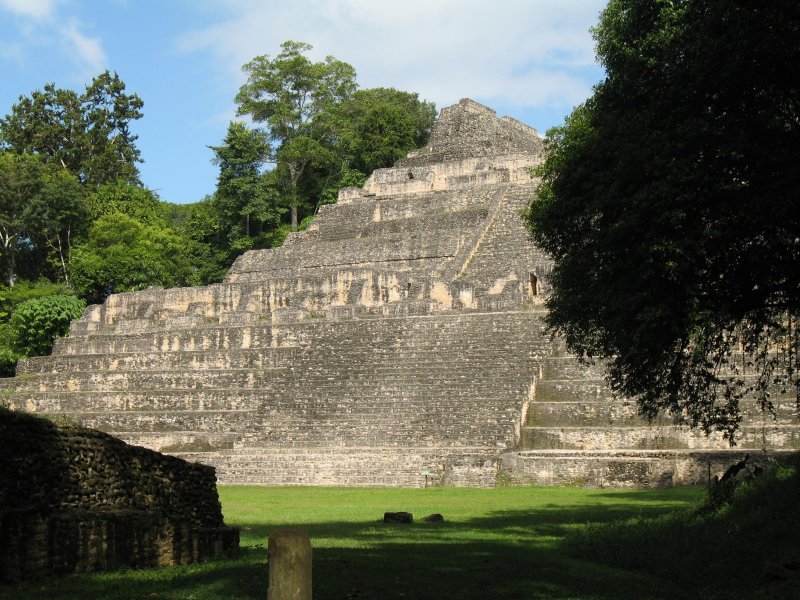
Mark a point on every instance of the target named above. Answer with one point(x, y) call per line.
point(398, 341)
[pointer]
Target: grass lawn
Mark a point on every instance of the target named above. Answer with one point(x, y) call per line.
point(495, 543)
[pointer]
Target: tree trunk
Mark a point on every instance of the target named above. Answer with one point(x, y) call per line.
point(8, 247)
point(10, 273)
point(63, 262)
point(293, 213)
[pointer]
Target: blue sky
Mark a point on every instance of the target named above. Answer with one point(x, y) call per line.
point(530, 59)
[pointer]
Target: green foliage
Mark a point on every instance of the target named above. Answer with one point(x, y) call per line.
point(717, 551)
point(36, 323)
point(322, 128)
point(296, 99)
point(669, 206)
point(122, 254)
point(87, 134)
point(57, 145)
point(132, 200)
point(21, 179)
point(246, 198)
point(58, 216)
point(204, 227)
point(382, 125)
point(10, 298)
point(8, 355)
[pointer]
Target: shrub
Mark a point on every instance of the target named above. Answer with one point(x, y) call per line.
point(37, 323)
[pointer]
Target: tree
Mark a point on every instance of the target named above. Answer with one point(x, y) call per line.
point(88, 134)
point(669, 205)
point(10, 300)
point(21, 179)
point(296, 98)
point(129, 199)
point(246, 201)
point(382, 125)
point(36, 323)
point(122, 254)
point(57, 214)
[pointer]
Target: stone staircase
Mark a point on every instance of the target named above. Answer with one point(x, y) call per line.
point(577, 432)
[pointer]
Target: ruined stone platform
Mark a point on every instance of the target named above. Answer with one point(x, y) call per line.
point(401, 332)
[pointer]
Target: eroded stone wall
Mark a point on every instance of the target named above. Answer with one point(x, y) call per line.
point(79, 500)
point(469, 130)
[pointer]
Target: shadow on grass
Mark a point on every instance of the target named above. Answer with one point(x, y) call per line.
point(504, 554)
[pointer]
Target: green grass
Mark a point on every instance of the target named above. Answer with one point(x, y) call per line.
point(496, 543)
point(738, 547)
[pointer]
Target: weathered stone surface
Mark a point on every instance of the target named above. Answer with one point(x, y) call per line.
point(405, 518)
point(77, 500)
point(402, 332)
point(290, 565)
point(433, 518)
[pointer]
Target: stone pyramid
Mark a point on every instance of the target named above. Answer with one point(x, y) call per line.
point(398, 341)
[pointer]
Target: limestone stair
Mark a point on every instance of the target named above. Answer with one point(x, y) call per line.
point(578, 432)
point(439, 382)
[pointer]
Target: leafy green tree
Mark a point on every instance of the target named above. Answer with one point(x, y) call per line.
point(36, 323)
point(204, 227)
point(382, 125)
point(669, 205)
point(21, 179)
point(57, 214)
point(8, 356)
point(10, 299)
point(296, 99)
point(122, 254)
point(129, 199)
point(246, 201)
point(88, 134)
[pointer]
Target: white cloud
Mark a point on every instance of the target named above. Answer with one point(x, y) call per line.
point(88, 50)
point(530, 54)
point(36, 9)
point(43, 24)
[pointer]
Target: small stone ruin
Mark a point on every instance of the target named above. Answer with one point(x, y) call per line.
point(75, 500)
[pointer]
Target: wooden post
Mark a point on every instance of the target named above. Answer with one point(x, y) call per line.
point(289, 555)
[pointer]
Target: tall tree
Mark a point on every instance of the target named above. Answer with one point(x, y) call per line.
point(88, 134)
point(296, 98)
point(669, 204)
point(133, 200)
point(57, 215)
point(122, 254)
point(21, 180)
point(381, 125)
point(247, 203)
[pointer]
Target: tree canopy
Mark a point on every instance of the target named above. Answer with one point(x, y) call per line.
point(669, 205)
point(295, 98)
point(122, 254)
point(245, 197)
point(88, 134)
point(381, 125)
point(321, 128)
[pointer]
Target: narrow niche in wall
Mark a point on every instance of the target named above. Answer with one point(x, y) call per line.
point(534, 284)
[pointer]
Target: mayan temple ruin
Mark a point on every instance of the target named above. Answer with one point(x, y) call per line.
point(398, 340)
